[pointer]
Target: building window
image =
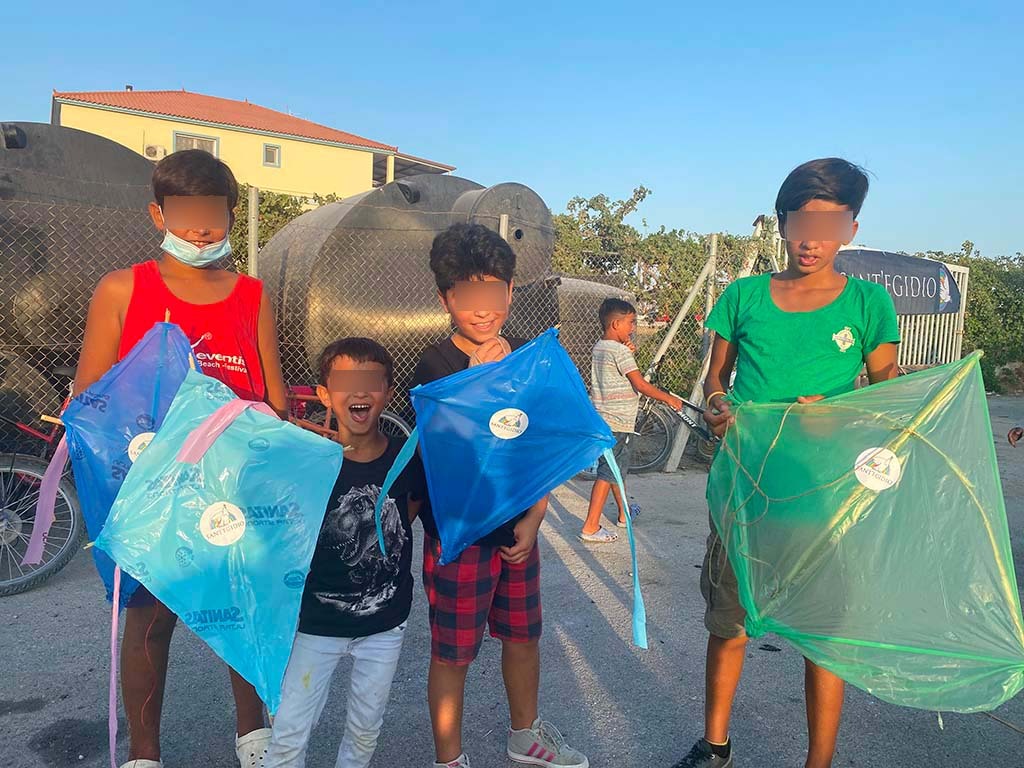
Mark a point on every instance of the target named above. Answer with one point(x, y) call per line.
point(193, 141)
point(272, 155)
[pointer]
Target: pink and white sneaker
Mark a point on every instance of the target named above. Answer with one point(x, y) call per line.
point(543, 745)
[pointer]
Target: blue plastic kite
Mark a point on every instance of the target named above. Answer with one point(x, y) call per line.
point(218, 522)
point(109, 424)
point(496, 438)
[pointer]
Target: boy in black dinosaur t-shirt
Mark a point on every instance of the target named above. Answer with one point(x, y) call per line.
point(496, 581)
point(356, 600)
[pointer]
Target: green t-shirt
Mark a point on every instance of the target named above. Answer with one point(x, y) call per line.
point(784, 355)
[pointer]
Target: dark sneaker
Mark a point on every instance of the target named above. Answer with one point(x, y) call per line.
point(701, 756)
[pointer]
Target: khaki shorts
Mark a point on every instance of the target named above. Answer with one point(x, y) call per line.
point(723, 615)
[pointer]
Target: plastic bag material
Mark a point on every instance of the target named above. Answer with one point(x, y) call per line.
point(108, 425)
point(217, 521)
point(869, 530)
point(496, 438)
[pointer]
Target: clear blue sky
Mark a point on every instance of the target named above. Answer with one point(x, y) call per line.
point(709, 104)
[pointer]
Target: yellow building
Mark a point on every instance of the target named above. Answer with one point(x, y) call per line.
point(271, 150)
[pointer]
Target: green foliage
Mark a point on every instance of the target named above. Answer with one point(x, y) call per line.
point(658, 267)
point(275, 211)
point(994, 321)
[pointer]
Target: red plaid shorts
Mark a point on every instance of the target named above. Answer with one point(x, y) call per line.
point(477, 589)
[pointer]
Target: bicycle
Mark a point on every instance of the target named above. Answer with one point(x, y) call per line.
point(306, 410)
point(21, 477)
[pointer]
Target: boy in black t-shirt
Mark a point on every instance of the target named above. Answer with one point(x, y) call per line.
point(356, 600)
point(496, 581)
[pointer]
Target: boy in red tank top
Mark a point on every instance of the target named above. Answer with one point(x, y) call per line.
point(230, 323)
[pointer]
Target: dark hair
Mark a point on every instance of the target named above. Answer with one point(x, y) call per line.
point(465, 251)
point(359, 349)
point(191, 173)
point(611, 307)
point(830, 178)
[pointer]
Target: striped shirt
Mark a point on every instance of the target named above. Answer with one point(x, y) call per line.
point(610, 391)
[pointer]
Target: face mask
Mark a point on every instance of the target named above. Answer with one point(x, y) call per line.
point(193, 255)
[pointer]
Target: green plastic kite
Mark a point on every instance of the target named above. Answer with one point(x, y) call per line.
point(869, 531)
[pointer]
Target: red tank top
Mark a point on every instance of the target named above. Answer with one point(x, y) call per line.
point(223, 334)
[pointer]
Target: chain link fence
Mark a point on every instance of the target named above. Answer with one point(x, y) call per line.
point(51, 258)
point(327, 281)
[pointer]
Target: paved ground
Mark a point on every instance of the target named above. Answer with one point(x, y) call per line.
point(625, 708)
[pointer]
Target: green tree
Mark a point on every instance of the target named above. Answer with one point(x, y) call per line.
point(275, 211)
point(994, 320)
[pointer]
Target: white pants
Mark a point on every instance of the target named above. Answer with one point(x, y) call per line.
point(307, 682)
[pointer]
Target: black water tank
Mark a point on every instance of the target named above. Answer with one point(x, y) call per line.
point(72, 208)
point(360, 267)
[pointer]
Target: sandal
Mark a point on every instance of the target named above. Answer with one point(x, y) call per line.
point(634, 513)
point(252, 748)
point(600, 536)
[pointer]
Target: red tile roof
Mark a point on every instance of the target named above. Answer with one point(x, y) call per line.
point(213, 109)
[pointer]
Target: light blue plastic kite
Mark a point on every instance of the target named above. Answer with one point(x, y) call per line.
point(215, 520)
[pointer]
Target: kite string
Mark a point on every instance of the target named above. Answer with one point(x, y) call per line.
point(1007, 723)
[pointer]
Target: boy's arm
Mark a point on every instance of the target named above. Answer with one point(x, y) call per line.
point(881, 363)
point(526, 534)
point(270, 359)
point(723, 358)
point(103, 328)
point(644, 387)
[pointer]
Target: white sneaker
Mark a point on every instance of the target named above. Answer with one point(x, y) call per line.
point(252, 748)
point(143, 764)
point(462, 761)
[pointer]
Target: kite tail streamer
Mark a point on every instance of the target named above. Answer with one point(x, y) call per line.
point(401, 462)
point(112, 698)
point(206, 434)
point(639, 610)
point(44, 507)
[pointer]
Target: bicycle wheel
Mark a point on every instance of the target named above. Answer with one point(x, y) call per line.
point(394, 425)
point(20, 481)
point(653, 442)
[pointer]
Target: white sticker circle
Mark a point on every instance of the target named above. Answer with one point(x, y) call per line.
point(222, 524)
point(878, 469)
point(138, 444)
point(509, 423)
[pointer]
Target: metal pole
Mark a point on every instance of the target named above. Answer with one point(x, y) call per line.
point(254, 229)
point(683, 310)
point(682, 435)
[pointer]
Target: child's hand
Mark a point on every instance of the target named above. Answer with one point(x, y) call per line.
point(675, 403)
point(526, 539)
point(720, 418)
point(809, 399)
point(491, 351)
point(1014, 435)
point(631, 346)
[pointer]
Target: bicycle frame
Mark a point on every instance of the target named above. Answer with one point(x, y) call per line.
point(50, 438)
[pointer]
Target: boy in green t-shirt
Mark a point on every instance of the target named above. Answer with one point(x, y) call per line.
point(800, 335)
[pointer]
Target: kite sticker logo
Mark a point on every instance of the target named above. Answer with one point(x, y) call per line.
point(222, 524)
point(138, 444)
point(844, 339)
point(509, 423)
point(878, 469)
